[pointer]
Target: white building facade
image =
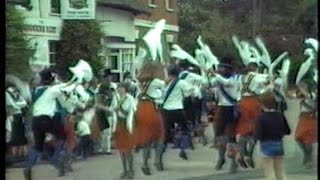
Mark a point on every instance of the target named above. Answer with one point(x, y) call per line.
point(44, 26)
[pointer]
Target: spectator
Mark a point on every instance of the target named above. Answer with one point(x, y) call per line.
point(271, 126)
point(83, 130)
point(15, 104)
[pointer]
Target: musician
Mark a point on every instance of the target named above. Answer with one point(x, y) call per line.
point(149, 124)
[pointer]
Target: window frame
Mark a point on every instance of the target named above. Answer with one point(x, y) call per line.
point(58, 8)
point(152, 3)
point(53, 53)
point(168, 4)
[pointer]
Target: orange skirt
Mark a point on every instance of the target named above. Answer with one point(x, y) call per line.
point(306, 130)
point(123, 139)
point(71, 138)
point(250, 109)
point(149, 125)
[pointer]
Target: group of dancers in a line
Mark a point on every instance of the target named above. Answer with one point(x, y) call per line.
point(146, 118)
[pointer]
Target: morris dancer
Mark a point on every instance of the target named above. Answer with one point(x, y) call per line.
point(124, 139)
point(149, 123)
point(43, 122)
point(227, 97)
point(172, 107)
point(306, 131)
point(250, 108)
point(192, 113)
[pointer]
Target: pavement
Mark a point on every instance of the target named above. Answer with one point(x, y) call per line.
point(200, 165)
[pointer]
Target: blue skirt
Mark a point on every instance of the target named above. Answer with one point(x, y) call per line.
point(272, 148)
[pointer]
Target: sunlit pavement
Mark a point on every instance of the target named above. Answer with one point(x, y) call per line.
point(200, 165)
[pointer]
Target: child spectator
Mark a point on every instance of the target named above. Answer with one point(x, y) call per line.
point(84, 132)
point(271, 126)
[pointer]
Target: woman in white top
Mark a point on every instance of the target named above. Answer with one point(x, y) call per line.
point(18, 140)
point(149, 125)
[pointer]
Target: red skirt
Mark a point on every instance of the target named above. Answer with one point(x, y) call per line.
point(124, 141)
point(71, 138)
point(250, 109)
point(306, 130)
point(149, 124)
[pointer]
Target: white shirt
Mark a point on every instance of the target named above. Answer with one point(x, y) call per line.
point(231, 85)
point(175, 99)
point(16, 105)
point(46, 104)
point(191, 77)
point(257, 85)
point(83, 128)
point(156, 88)
point(127, 104)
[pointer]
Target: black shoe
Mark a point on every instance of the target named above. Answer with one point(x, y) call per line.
point(250, 162)
point(220, 163)
point(242, 163)
point(27, 174)
point(183, 155)
point(61, 169)
point(146, 171)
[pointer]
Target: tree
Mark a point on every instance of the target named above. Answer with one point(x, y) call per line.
point(283, 25)
point(80, 39)
point(17, 50)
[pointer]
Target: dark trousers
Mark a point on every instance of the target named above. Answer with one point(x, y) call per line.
point(85, 145)
point(171, 117)
point(40, 126)
point(226, 123)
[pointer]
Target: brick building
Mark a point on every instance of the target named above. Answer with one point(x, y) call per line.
point(159, 9)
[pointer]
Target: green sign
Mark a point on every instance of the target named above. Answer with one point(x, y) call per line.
point(78, 9)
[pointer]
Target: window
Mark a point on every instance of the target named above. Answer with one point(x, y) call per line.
point(127, 60)
point(152, 3)
point(120, 61)
point(55, 6)
point(53, 51)
point(169, 5)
